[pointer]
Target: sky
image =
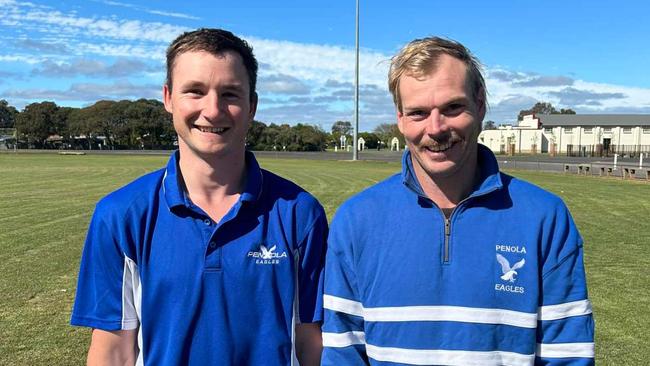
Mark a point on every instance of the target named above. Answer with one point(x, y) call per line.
point(590, 56)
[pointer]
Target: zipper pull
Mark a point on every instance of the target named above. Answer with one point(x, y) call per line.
point(445, 255)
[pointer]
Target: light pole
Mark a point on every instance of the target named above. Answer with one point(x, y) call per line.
point(355, 155)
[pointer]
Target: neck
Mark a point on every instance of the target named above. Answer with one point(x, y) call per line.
point(213, 183)
point(447, 191)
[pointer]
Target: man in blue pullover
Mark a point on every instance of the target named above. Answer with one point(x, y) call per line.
point(452, 262)
point(211, 260)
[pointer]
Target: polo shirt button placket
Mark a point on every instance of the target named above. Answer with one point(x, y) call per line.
point(213, 256)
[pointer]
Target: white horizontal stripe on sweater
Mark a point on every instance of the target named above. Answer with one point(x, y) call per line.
point(447, 357)
point(431, 313)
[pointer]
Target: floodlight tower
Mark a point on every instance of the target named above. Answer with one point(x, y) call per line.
point(355, 137)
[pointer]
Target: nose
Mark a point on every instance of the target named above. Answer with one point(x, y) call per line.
point(211, 106)
point(436, 124)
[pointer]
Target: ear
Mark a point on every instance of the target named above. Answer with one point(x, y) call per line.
point(400, 123)
point(167, 99)
point(481, 107)
point(253, 107)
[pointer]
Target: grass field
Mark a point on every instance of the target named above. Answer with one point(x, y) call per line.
point(46, 202)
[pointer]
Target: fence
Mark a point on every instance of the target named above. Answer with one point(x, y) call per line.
point(630, 151)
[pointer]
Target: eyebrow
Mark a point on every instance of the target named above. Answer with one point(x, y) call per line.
point(457, 99)
point(197, 84)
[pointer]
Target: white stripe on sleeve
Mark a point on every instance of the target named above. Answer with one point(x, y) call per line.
point(565, 350)
point(566, 310)
point(342, 305)
point(343, 339)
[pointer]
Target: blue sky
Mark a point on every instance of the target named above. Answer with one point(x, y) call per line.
point(591, 56)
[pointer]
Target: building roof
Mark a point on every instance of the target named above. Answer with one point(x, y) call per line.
point(551, 120)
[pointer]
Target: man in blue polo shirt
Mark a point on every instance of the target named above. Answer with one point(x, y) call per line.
point(211, 260)
point(452, 262)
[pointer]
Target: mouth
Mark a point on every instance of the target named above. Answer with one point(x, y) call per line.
point(215, 130)
point(438, 147)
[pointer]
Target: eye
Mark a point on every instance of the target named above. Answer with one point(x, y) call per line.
point(193, 92)
point(230, 95)
point(454, 109)
point(417, 114)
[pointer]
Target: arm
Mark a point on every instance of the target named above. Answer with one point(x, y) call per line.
point(344, 328)
point(566, 326)
point(309, 344)
point(112, 348)
point(107, 296)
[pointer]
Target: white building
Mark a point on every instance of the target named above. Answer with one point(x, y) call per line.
point(573, 134)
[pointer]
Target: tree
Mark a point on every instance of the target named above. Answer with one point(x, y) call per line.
point(342, 128)
point(386, 131)
point(371, 139)
point(37, 122)
point(254, 139)
point(489, 125)
point(308, 138)
point(7, 114)
point(567, 111)
point(543, 108)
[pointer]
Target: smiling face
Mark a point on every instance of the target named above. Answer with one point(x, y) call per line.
point(440, 121)
point(210, 104)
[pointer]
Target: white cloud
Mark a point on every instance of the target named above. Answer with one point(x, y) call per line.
point(21, 58)
point(90, 92)
point(151, 11)
point(18, 14)
point(172, 14)
point(319, 63)
point(93, 68)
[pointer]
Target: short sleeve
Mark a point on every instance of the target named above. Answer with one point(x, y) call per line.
point(108, 281)
point(310, 272)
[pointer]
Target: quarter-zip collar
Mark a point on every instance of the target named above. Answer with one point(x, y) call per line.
point(489, 177)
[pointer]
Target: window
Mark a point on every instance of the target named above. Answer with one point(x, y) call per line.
point(548, 130)
point(646, 130)
point(589, 130)
point(627, 130)
point(607, 130)
point(568, 131)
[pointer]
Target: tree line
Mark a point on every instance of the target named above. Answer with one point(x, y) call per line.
point(145, 124)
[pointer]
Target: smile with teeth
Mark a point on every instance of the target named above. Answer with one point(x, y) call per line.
point(211, 129)
point(440, 147)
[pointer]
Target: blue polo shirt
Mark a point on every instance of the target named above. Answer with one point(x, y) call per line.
point(201, 292)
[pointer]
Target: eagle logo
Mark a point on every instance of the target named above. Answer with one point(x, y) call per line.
point(509, 273)
point(267, 253)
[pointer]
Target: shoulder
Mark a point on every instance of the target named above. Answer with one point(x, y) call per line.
point(139, 194)
point(281, 189)
point(528, 196)
point(290, 200)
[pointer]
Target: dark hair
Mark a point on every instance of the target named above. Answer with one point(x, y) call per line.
point(216, 42)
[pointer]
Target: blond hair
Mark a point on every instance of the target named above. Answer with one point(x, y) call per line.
point(419, 57)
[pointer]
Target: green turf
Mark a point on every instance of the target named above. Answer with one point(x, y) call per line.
point(46, 202)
